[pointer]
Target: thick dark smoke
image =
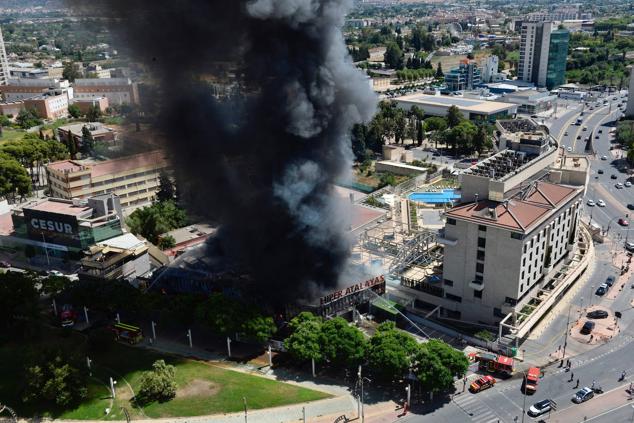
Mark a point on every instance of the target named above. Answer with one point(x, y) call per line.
point(263, 163)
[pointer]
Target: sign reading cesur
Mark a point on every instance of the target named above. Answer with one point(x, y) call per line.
point(361, 286)
point(50, 225)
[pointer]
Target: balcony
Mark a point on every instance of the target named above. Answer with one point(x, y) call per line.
point(476, 285)
point(444, 240)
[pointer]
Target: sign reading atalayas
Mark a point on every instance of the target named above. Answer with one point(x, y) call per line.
point(361, 286)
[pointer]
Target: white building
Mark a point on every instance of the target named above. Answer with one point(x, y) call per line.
point(117, 90)
point(490, 69)
point(4, 65)
point(629, 112)
point(543, 52)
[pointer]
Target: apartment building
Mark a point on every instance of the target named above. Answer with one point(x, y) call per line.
point(629, 111)
point(497, 253)
point(465, 77)
point(48, 106)
point(4, 65)
point(117, 90)
point(543, 53)
point(134, 179)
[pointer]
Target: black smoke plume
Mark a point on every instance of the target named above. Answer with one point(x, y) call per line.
point(262, 163)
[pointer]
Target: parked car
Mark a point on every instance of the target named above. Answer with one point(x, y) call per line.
point(55, 273)
point(630, 206)
point(569, 149)
point(610, 280)
point(623, 222)
point(587, 328)
point(590, 203)
point(629, 246)
point(5, 264)
point(602, 289)
point(600, 131)
point(618, 185)
point(604, 157)
point(539, 408)
point(600, 171)
point(613, 177)
point(601, 203)
point(583, 395)
point(628, 184)
point(485, 382)
point(597, 314)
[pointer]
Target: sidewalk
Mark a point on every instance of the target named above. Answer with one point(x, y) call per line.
point(600, 404)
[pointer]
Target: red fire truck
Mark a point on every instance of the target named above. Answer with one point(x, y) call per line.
point(495, 363)
point(67, 316)
point(531, 379)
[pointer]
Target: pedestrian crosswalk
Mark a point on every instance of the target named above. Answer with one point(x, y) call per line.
point(477, 410)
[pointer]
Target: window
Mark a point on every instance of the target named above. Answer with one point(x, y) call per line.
point(477, 294)
point(511, 301)
point(479, 278)
point(480, 267)
point(480, 255)
point(482, 242)
point(448, 282)
point(515, 235)
point(482, 228)
point(451, 221)
point(452, 297)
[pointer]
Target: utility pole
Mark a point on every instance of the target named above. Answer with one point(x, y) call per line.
point(153, 330)
point(245, 408)
point(189, 337)
point(228, 347)
point(524, 402)
point(48, 261)
point(566, 336)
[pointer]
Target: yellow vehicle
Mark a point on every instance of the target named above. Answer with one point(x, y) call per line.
point(129, 333)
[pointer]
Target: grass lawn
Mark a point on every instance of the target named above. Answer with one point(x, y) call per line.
point(203, 388)
point(9, 134)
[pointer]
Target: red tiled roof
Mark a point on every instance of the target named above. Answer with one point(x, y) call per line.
point(520, 212)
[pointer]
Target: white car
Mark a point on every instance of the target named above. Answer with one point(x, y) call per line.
point(619, 185)
point(628, 184)
point(591, 203)
point(601, 203)
point(55, 273)
point(604, 157)
point(569, 149)
point(629, 246)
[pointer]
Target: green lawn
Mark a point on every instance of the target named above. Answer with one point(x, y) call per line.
point(203, 388)
point(9, 134)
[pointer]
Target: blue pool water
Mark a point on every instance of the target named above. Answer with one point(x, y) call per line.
point(444, 196)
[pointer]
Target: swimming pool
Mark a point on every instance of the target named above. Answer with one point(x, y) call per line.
point(438, 197)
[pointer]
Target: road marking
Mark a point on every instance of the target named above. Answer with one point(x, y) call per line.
point(511, 401)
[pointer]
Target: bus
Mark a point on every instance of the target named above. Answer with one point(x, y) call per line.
point(124, 332)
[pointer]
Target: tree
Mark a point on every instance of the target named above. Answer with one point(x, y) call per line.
point(301, 318)
point(357, 139)
point(454, 117)
point(305, 342)
point(393, 56)
point(390, 352)
point(156, 219)
point(73, 111)
point(28, 118)
point(420, 132)
point(258, 328)
point(342, 344)
point(461, 136)
point(435, 123)
point(18, 301)
point(439, 72)
point(93, 114)
point(70, 72)
point(166, 242)
point(14, 179)
point(55, 382)
point(167, 190)
point(429, 370)
point(87, 141)
point(452, 359)
point(158, 384)
point(480, 139)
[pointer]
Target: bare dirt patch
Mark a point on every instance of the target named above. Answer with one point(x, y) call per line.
point(197, 387)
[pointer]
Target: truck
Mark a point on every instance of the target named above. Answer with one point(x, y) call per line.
point(129, 333)
point(67, 316)
point(531, 379)
point(495, 363)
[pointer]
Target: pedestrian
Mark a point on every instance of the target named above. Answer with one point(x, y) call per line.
point(572, 377)
point(577, 385)
point(593, 383)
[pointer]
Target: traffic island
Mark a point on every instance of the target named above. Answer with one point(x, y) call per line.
point(603, 331)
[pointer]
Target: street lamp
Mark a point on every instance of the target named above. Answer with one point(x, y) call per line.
point(244, 399)
point(566, 336)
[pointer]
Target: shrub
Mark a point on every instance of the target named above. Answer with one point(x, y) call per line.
point(157, 384)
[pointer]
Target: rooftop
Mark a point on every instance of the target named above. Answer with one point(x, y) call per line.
point(96, 128)
point(518, 125)
point(98, 168)
point(480, 106)
point(59, 206)
point(500, 165)
point(521, 212)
